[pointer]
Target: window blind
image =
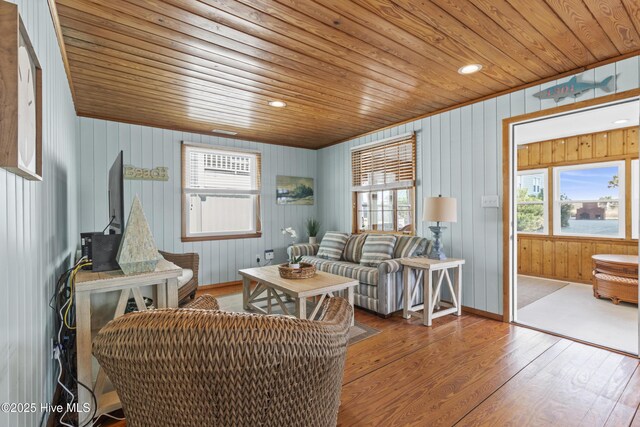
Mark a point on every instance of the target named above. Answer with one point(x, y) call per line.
point(384, 166)
point(211, 170)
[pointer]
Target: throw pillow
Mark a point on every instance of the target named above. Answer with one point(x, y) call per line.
point(353, 248)
point(332, 245)
point(377, 249)
point(409, 246)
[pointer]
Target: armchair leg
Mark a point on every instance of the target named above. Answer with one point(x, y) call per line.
point(192, 295)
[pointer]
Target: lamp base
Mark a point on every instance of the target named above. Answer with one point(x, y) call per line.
point(437, 249)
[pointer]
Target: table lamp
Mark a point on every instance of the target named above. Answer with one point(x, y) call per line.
point(438, 209)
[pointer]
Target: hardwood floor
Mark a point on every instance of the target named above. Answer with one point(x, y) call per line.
point(471, 371)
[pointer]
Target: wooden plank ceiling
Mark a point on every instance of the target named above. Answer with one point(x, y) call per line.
point(343, 67)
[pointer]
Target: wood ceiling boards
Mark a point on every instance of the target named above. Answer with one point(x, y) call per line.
point(343, 67)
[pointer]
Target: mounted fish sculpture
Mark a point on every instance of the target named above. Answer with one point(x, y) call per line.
point(574, 88)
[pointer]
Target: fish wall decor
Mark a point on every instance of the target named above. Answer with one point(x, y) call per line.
point(575, 88)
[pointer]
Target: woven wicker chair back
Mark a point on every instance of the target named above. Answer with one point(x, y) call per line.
point(198, 367)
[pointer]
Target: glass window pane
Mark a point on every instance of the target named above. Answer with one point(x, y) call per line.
point(221, 213)
point(363, 220)
point(363, 201)
point(387, 200)
point(530, 217)
point(376, 200)
point(403, 200)
point(596, 183)
point(530, 187)
point(376, 220)
point(388, 221)
point(591, 218)
point(405, 223)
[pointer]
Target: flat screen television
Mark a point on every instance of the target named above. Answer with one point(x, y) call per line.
point(116, 196)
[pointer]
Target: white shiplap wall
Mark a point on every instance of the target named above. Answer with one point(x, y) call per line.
point(38, 229)
point(459, 154)
point(149, 147)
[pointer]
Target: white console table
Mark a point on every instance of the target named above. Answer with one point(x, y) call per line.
point(164, 278)
point(423, 268)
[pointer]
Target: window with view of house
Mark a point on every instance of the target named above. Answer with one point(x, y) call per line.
point(221, 193)
point(589, 200)
point(531, 199)
point(383, 179)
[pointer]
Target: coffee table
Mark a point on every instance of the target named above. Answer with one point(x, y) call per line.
point(268, 279)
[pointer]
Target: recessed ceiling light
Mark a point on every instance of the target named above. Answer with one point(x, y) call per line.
point(277, 104)
point(470, 69)
point(621, 121)
point(225, 132)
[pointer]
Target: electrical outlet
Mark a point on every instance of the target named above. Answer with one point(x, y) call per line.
point(268, 254)
point(257, 259)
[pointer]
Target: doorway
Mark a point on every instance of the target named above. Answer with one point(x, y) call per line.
point(571, 187)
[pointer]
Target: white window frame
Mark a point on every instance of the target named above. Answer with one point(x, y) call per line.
point(255, 226)
point(557, 229)
point(545, 200)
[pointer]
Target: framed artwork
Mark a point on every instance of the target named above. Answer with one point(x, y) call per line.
point(294, 190)
point(21, 106)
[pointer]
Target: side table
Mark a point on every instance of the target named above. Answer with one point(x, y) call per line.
point(88, 283)
point(423, 269)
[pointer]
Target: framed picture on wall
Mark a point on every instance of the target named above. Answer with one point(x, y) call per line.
point(21, 104)
point(294, 190)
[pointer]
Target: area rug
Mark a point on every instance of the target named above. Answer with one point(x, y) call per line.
point(233, 303)
point(574, 312)
point(531, 289)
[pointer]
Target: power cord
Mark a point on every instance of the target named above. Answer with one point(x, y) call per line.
point(110, 222)
point(62, 301)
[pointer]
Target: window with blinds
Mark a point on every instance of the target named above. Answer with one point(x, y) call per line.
point(383, 183)
point(389, 165)
point(221, 193)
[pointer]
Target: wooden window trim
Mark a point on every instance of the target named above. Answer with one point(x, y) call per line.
point(509, 163)
point(405, 177)
point(203, 238)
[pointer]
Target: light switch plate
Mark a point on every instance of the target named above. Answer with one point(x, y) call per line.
point(490, 201)
point(268, 254)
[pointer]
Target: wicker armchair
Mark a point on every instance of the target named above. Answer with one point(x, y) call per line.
point(197, 366)
point(190, 261)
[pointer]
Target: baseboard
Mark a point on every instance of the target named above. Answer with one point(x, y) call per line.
point(465, 309)
point(482, 313)
point(219, 285)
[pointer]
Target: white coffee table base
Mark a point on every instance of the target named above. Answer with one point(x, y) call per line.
point(275, 290)
point(274, 297)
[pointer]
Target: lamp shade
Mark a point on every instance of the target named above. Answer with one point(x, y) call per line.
point(439, 209)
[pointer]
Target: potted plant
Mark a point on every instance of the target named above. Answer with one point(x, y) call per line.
point(294, 262)
point(313, 227)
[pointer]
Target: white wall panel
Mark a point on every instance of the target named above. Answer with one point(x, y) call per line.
point(460, 154)
point(150, 147)
point(38, 234)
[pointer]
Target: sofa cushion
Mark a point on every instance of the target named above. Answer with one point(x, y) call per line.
point(185, 277)
point(353, 249)
point(361, 273)
point(377, 248)
point(332, 245)
point(408, 246)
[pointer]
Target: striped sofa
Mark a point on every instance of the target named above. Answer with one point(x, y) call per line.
point(380, 288)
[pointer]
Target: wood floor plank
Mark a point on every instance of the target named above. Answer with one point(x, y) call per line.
point(430, 385)
point(567, 389)
point(472, 371)
point(626, 408)
point(397, 341)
